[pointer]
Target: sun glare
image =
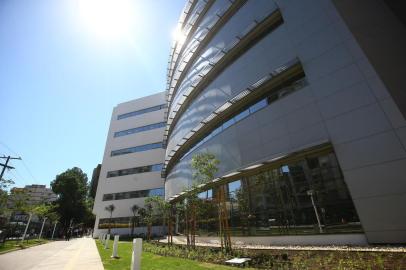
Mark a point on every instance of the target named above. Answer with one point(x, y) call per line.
point(107, 19)
point(178, 35)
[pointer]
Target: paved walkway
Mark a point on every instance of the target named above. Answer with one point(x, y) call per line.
point(76, 254)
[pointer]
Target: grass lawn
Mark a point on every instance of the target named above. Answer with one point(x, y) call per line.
point(149, 261)
point(16, 244)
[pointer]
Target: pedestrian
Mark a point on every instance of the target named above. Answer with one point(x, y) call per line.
point(68, 233)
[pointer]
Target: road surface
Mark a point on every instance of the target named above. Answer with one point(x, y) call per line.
point(80, 253)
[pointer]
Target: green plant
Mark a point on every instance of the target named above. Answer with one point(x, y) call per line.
point(110, 208)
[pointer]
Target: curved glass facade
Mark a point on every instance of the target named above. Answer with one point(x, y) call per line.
point(230, 51)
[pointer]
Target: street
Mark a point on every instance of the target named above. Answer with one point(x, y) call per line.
point(76, 254)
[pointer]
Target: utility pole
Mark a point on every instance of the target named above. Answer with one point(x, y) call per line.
point(5, 166)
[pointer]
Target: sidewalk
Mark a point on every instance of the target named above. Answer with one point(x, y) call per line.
point(76, 254)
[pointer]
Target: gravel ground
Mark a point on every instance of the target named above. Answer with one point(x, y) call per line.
point(370, 248)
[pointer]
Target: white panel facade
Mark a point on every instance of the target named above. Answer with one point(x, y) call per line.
point(132, 182)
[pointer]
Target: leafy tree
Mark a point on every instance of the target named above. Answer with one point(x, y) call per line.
point(71, 188)
point(162, 209)
point(110, 208)
point(4, 184)
point(43, 211)
point(134, 210)
point(89, 218)
point(147, 216)
point(18, 200)
point(3, 202)
point(94, 182)
point(204, 167)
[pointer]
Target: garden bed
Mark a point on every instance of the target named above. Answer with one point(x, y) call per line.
point(288, 259)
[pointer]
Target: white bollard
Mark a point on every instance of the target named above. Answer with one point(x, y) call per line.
point(136, 256)
point(115, 246)
point(106, 244)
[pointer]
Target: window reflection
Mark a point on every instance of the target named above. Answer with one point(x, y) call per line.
point(278, 201)
point(146, 110)
point(136, 170)
point(139, 129)
point(135, 149)
point(293, 86)
point(134, 194)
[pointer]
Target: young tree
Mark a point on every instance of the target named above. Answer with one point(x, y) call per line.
point(18, 202)
point(53, 218)
point(43, 211)
point(4, 184)
point(147, 216)
point(134, 209)
point(205, 166)
point(162, 209)
point(71, 188)
point(110, 208)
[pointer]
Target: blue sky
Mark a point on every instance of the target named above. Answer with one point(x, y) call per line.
point(60, 79)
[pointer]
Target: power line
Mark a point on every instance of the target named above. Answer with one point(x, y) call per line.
point(29, 172)
point(5, 165)
point(8, 148)
point(23, 162)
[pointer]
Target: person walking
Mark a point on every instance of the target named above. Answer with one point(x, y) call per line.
point(68, 234)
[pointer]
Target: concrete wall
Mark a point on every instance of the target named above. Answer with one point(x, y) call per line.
point(328, 239)
point(142, 181)
point(345, 102)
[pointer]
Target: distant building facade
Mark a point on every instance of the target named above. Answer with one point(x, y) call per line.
point(132, 163)
point(34, 194)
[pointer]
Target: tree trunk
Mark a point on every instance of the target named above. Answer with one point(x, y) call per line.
point(224, 227)
point(149, 231)
point(133, 226)
point(111, 215)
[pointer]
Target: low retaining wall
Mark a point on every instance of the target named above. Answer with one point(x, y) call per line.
point(322, 240)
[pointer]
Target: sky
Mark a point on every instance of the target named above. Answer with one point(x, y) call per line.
point(64, 65)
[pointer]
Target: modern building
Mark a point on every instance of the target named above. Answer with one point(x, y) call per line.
point(132, 163)
point(34, 194)
point(31, 195)
point(304, 104)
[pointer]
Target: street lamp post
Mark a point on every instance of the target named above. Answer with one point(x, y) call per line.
point(42, 227)
point(53, 232)
point(26, 227)
point(310, 193)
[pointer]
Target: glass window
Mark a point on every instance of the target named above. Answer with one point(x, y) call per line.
point(157, 167)
point(136, 170)
point(139, 129)
point(234, 186)
point(134, 194)
point(156, 192)
point(107, 197)
point(135, 149)
point(242, 115)
point(286, 200)
point(258, 106)
point(139, 112)
point(291, 86)
point(228, 123)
